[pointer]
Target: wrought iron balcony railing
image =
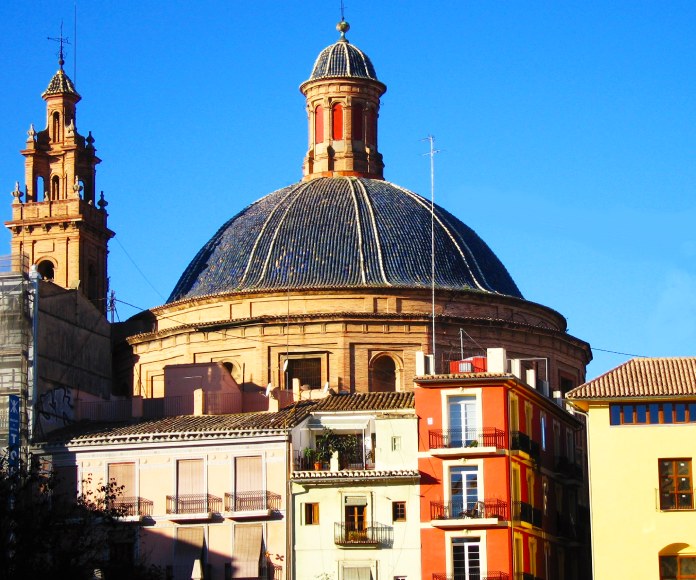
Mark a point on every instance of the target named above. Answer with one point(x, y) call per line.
point(458, 438)
point(524, 512)
point(250, 501)
point(377, 535)
point(522, 442)
point(195, 503)
point(488, 576)
point(133, 506)
point(455, 510)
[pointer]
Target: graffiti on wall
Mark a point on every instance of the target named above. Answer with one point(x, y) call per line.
point(55, 409)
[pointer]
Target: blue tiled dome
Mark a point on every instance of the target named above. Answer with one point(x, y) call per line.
point(342, 232)
point(343, 59)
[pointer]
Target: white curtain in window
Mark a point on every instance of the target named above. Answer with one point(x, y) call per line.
point(363, 573)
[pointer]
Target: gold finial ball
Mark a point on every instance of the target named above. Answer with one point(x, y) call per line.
point(343, 27)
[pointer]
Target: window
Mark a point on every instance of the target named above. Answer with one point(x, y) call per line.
point(306, 370)
point(189, 547)
point(123, 477)
point(383, 375)
point(514, 414)
point(396, 443)
point(357, 122)
point(463, 490)
point(677, 567)
point(466, 558)
point(528, 414)
point(542, 423)
point(248, 484)
point(46, 269)
point(652, 413)
point(351, 572)
point(532, 544)
point(676, 492)
point(398, 511)
point(311, 514)
point(319, 124)
point(463, 425)
point(337, 122)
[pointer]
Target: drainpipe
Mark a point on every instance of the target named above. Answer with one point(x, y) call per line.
point(34, 278)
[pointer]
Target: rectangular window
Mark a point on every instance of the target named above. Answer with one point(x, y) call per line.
point(189, 477)
point(652, 413)
point(396, 443)
point(311, 514)
point(123, 477)
point(676, 491)
point(248, 484)
point(466, 558)
point(677, 567)
point(542, 422)
point(398, 511)
point(463, 423)
point(306, 370)
point(463, 490)
point(189, 547)
point(514, 413)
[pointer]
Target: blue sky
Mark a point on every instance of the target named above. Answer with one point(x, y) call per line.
point(567, 132)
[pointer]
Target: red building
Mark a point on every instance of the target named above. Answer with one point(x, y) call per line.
point(503, 477)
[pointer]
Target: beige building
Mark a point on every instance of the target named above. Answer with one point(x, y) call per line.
point(359, 518)
point(641, 433)
point(208, 492)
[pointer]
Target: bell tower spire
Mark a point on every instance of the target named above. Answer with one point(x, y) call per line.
point(343, 97)
point(60, 226)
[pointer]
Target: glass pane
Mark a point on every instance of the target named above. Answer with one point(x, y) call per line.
point(667, 501)
point(666, 484)
point(684, 484)
point(692, 412)
point(685, 501)
point(680, 409)
point(628, 414)
point(687, 565)
point(668, 566)
point(655, 413)
point(641, 414)
point(683, 467)
point(666, 467)
point(667, 413)
point(615, 415)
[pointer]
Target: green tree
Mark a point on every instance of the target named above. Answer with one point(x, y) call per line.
point(46, 534)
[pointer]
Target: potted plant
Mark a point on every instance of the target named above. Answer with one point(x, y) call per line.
point(309, 457)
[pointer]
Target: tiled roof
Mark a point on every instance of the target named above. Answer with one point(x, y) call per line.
point(342, 232)
point(60, 84)
point(357, 475)
point(365, 402)
point(643, 377)
point(184, 427)
point(343, 59)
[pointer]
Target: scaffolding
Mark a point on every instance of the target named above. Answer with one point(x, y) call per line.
point(17, 301)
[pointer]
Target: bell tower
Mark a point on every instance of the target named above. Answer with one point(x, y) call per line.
point(343, 98)
point(60, 226)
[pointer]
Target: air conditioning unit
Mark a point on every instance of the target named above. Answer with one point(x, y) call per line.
point(474, 364)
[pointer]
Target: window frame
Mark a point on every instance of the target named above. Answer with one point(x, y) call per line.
point(398, 511)
point(310, 513)
point(675, 492)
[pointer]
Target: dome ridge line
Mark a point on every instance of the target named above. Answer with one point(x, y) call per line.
point(347, 55)
point(421, 202)
point(259, 237)
point(298, 191)
point(375, 231)
point(361, 251)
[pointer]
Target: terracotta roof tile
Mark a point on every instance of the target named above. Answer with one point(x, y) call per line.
point(366, 402)
point(184, 426)
point(643, 377)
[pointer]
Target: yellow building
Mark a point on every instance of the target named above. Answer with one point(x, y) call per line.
point(641, 445)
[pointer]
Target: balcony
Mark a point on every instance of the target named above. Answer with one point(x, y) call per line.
point(196, 506)
point(448, 442)
point(373, 536)
point(132, 508)
point(458, 514)
point(567, 469)
point(488, 576)
point(251, 504)
point(522, 442)
point(526, 514)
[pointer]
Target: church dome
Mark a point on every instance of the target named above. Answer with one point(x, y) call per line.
point(343, 59)
point(342, 232)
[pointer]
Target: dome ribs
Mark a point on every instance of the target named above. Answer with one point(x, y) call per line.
point(342, 232)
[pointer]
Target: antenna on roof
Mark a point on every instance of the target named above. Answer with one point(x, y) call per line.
point(432, 153)
point(61, 40)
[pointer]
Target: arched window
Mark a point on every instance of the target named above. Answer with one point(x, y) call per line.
point(55, 188)
point(56, 126)
point(677, 562)
point(337, 122)
point(357, 122)
point(383, 375)
point(371, 127)
point(319, 124)
point(40, 192)
point(46, 269)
